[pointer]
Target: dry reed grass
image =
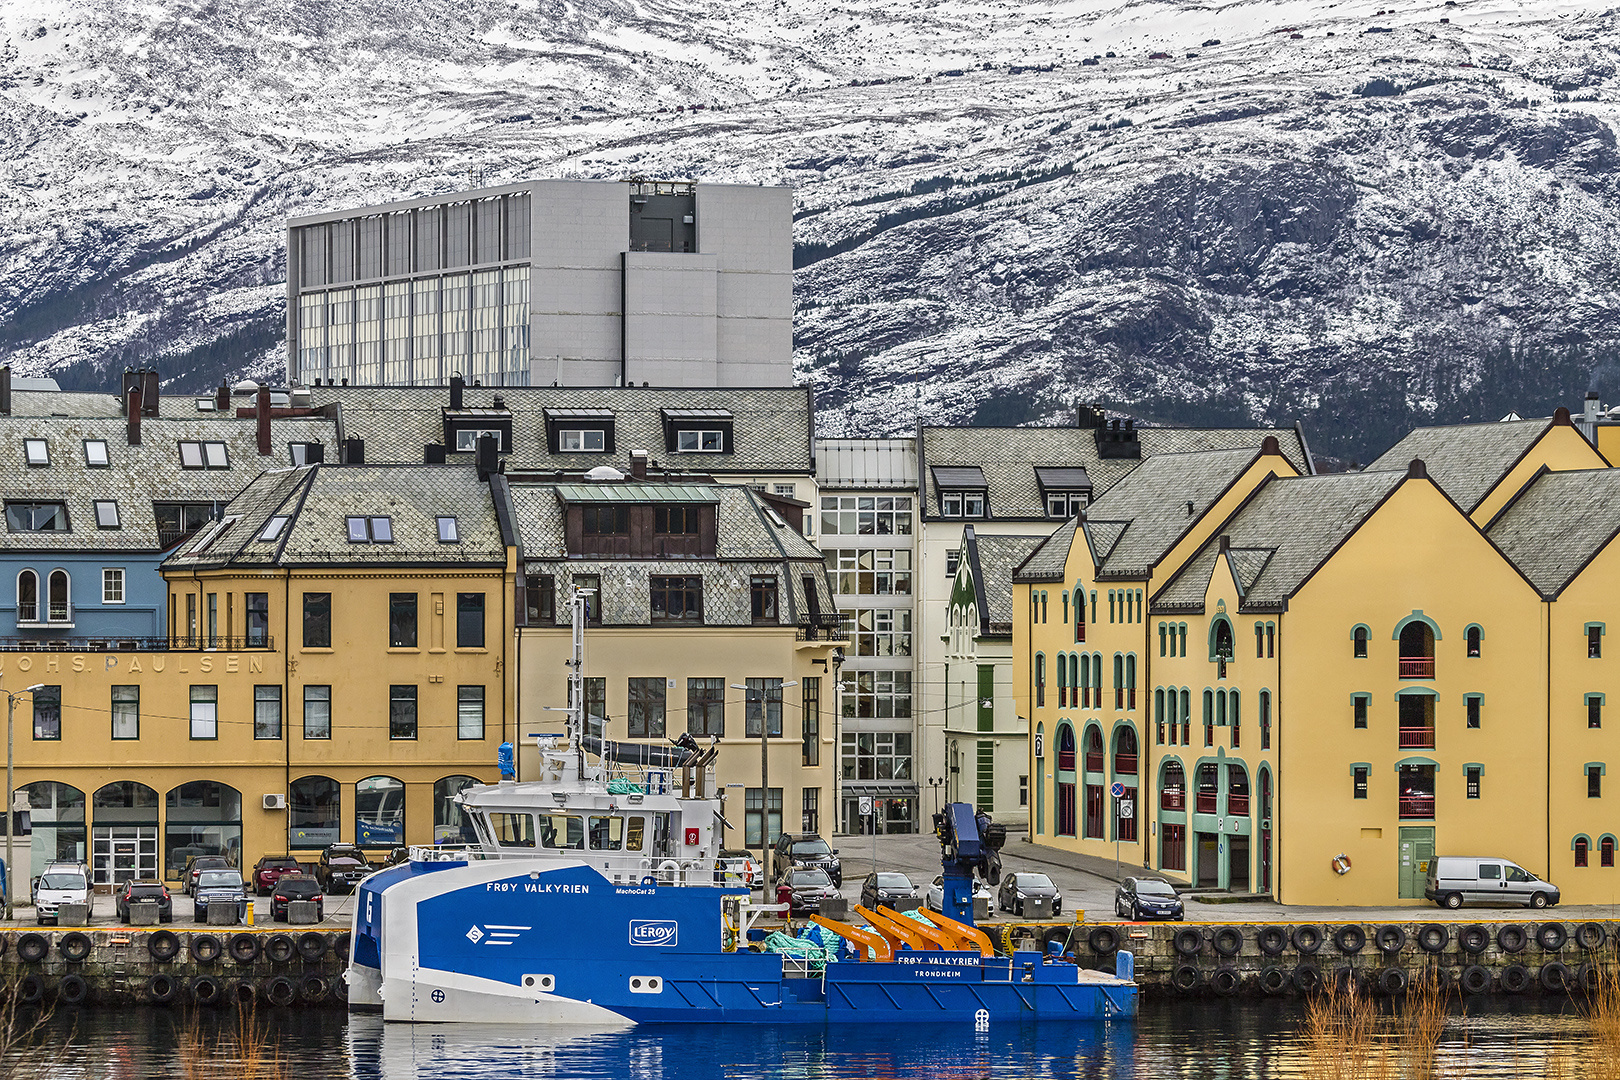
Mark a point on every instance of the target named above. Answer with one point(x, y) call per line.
point(240, 1047)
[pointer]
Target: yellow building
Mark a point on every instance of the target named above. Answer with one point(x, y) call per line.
point(1085, 649)
point(336, 670)
point(709, 615)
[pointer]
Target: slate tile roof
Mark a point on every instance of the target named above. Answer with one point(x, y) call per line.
point(135, 476)
point(771, 426)
point(749, 540)
point(318, 500)
point(995, 557)
point(1465, 460)
point(1046, 560)
point(1557, 524)
point(1010, 456)
point(1287, 529)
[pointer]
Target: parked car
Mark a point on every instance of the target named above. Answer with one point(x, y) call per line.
point(196, 865)
point(297, 886)
point(1025, 885)
point(268, 870)
point(934, 898)
point(62, 883)
point(1148, 898)
point(219, 887)
point(1452, 880)
point(795, 850)
point(341, 868)
point(144, 891)
point(737, 867)
point(885, 887)
point(810, 886)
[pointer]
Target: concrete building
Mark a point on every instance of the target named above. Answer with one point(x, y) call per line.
point(577, 283)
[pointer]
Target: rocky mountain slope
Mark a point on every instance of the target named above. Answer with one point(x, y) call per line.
point(1199, 211)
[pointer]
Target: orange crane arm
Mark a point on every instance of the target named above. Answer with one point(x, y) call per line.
point(892, 928)
point(865, 938)
point(941, 939)
point(971, 935)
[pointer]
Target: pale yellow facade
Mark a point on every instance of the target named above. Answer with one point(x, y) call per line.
point(1562, 449)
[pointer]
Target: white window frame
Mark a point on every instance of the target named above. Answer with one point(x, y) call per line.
point(581, 440)
point(203, 455)
point(1064, 504)
point(112, 585)
point(783, 489)
point(37, 451)
point(90, 461)
point(273, 528)
point(369, 531)
point(467, 439)
point(700, 441)
point(105, 509)
point(449, 530)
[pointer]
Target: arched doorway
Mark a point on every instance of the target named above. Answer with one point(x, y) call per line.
point(1265, 831)
point(123, 832)
point(379, 812)
point(1065, 781)
point(201, 817)
point(313, 805)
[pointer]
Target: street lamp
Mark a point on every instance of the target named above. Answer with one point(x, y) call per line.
point(11, 790)
point(764, 779)
point(936, 782)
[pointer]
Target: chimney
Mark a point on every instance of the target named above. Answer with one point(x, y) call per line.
point(638, 464)
point(488, 446)
point(261, 411)
point(1417, 470)
point(1561, 416)
point(1088, 416)
point(149, 393)
point(354, 451)
point(222, 397)
point(1226, 542)
point(132, 409)
point(433, 454)
point(1590, 414)
point(5, 390)
point(1270, 447)
point(456, 388)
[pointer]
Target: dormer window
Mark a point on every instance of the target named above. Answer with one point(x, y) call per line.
point(95, 453)
point(961, 491)
point(699, 441)
point(581, 441)
point(371, 530)
point(203, 455)
point(697, 431)
point(36, 451)
point(579, 431)
point(24, 517)
point(467, 438)
point(1064, 505)
point(1065, 489)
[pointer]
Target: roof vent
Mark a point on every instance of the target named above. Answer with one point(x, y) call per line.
point(1417, 470)
point(1269, 445)
point(604, 473)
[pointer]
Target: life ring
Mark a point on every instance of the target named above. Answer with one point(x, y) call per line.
point(312, 988)
point(1272, 940)
point(205, 990)
point(162, 988)
point(244, 948)
point(1341, 864)
point(280, 990)
point(1433, 937)
point(1515, 978)
point(312, 945)
point(1392, 981)
point(1224, 981)
point(1512, 938)
point(1186, 978)
point(671, 868)
point(205, 948)
point(1273, 980)
point(1551, 936)
point(163, 945)
point(1555, 978)
point(74, 946)
point(72, 990)
point(280, 948)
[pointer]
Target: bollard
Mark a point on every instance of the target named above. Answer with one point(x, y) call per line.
point(1125, 965)
point(143, 914)
point(221, 914)
point(302, 913)
point(73, 915)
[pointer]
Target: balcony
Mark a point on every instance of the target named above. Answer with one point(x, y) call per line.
point(1417, 738)
point(58, 613)
point(1237, 805)
point(1206, 802)
point(1417, 806)
point(828, 626)
point(1172, 799)
point(1125, 763)
point(1066, 760)
point(1094, 761)
point(1417, 667)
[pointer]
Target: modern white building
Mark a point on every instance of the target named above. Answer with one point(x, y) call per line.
point(554, 282)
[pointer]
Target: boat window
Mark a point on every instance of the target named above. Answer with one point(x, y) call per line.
point(562, 831)
point(633, 837)
point(607, 833)
point(512, 830)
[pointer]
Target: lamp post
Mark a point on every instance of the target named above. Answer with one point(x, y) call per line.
point(764, 778)
point(935, 783)
point(11, 790)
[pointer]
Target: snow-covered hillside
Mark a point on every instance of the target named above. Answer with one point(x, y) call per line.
point(1340, 211)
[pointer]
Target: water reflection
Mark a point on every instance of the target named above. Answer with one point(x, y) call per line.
point(1214, 1040)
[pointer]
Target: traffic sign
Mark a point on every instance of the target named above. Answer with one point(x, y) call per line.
point(1118, 790)
point(1040, 744)
point(1127, 809)
point(866, 805)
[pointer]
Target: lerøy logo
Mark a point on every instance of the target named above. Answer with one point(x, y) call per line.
point(654, 932)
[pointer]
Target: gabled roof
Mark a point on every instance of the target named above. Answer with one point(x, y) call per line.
point(993, 559)
point(1009, 458)
point(771, 432)
point(1046, 560)
point(1285, 531)
point(1466, 460)
point(1558, 524)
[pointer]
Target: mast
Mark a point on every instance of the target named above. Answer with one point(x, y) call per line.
point(577, 716)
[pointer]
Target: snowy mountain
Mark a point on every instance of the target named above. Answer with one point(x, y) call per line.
point(1336, 211)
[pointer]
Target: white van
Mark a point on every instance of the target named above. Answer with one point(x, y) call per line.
point(62, 883)
point(1485, 881)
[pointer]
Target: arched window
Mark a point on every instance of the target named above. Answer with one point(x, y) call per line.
point(27, 597)
point(56, 815)
point(379, 812)
point(61, 597)
point(1079, 613)
point(313, 806)
point(1119, 681)
point(1158, 715)
point(449, 823)
point(1237, 791)
point(1417, 650)
point(1074, 681)
point(1220, 643)
point(1265, 719)
point(1360, 639)
point(1040, 679)
point(1473, 635)
point(1173, 787)
point(1065, 748)
point(1094, 751)
point(1581, 845)
point(1186, 717)
point(1606, 851)
point(1233, 716)
point(1062, 681)
point(1130, 681)
point(201, 817)
point(1125, 752)
point(1085, 680)
point(123, 832)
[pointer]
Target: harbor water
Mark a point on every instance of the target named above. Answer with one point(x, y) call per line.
point(1215, 1040)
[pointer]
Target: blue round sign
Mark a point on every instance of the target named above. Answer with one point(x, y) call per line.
point(1118, 790)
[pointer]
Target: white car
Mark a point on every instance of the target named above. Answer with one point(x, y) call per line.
point(934, 898)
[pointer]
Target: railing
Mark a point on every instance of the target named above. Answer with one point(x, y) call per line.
point(1206, 802)
point(1172, 799)
point(1237, 805)
point(1417, 738)
point(56, 612)
point(1417, 667)
point(826, 628)
point(1094, 761)
point(1417, 806)
point(136, 644)
point(1130, 698)
point(1119, 697)
point(1125, 763)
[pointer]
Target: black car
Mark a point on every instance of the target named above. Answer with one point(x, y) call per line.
point(198, 863)
point(144, 891)
point(1016, 888)
point(296, 887)
point(1147, 898)
point(795, 850)
point(341, 867)
point(883, 888)
point(810, 887)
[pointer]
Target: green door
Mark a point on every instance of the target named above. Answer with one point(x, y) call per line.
point(1417, 848)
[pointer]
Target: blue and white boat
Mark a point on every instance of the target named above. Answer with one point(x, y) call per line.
point(592, 897)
